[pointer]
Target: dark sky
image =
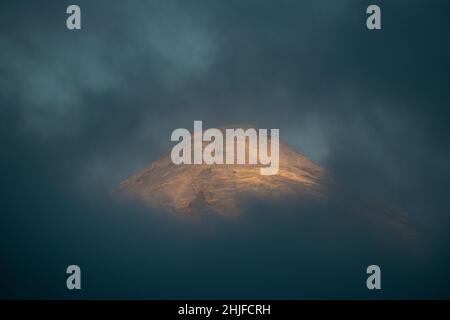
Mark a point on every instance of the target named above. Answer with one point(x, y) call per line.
point(82, 110)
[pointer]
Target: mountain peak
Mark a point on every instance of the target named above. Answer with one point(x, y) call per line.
point(223, 188)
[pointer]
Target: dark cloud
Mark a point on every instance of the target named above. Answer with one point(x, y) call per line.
point(79, 111)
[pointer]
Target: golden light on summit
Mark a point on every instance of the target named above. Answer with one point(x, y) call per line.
point(224, 188)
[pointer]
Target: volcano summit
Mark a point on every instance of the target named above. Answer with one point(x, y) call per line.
point(185, 188)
